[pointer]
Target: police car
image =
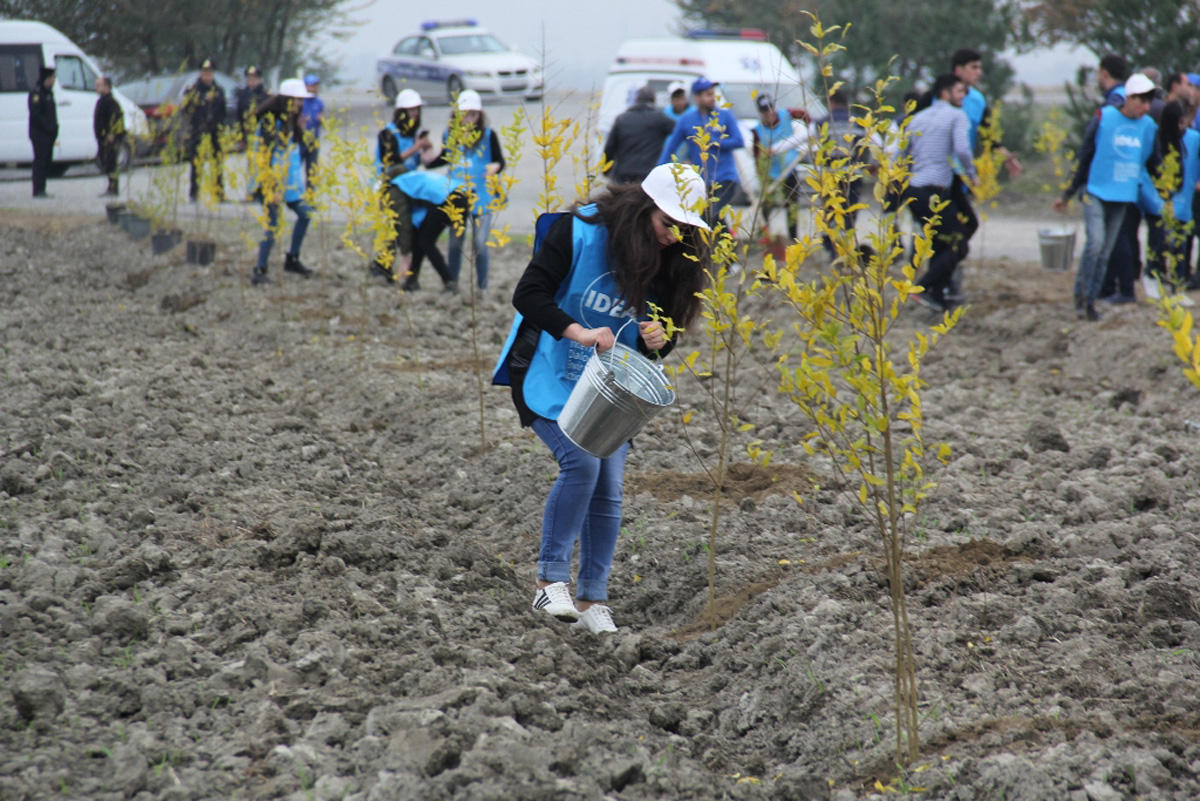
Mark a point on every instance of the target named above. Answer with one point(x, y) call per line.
point(447, 57)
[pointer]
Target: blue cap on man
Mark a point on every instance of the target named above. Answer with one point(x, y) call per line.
point(700, 84)
point(311, 79)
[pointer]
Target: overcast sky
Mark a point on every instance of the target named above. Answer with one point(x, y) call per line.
point(579, 38)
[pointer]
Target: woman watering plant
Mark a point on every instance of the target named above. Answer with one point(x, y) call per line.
point(473, 151)
point(281, 132)
point(596, 269)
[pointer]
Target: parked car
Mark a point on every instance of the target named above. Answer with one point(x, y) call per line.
point(160, 97)
point(25, 47)
point(446, 57)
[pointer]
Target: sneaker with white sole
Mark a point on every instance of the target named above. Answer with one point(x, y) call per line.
point(1150, 287)
point(555, 599)
point(597, 619)
point(1183, 300)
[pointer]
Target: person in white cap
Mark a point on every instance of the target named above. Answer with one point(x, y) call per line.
point(677, 97)
point(476, 154)
point(398, 150)
point(597, 268)
point(282, 132)
point(1114, 159)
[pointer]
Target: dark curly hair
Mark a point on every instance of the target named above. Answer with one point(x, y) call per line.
point(671, 275)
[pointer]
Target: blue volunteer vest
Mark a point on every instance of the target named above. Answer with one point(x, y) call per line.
point(472, 169)
point(590, 296)
point(1122, 147)
point(430, 187)
point(402, 143)
point(770, 136)
point(294, 186)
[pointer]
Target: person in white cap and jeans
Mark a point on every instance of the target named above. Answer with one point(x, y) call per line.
point(1116, 156)
point(281, 132)
point(597, 268)
point(475, 156)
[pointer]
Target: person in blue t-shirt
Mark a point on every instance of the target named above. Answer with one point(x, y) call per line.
point(1114, 160)
point(588, 286)
point(716, 164)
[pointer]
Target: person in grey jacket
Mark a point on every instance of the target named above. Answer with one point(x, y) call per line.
point(636, 139)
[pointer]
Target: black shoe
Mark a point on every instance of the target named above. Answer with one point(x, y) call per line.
point(292, 264)
point(1194, 282)
point(411, 284)
point(933, 304)
point(450, 288)
point(1091, 314)
point(259, 277)
point(379, 271)
point(42, 195)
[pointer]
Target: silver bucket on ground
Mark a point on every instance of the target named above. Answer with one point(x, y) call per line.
point(618, 392)
point(1058, 249)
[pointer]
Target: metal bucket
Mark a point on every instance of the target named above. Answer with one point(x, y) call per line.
point(618, 392)
point(1058, 249)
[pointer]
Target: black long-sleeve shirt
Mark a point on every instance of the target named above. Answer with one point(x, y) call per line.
point(635, 141)
point(107, 119)
point(205, 107)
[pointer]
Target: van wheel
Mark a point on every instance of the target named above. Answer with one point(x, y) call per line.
point(389, 90)
point(57, 169)
point(453, 87)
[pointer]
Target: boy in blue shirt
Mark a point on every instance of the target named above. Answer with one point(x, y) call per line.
point(716, 164)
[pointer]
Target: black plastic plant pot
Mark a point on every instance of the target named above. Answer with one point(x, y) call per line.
point(201, 251)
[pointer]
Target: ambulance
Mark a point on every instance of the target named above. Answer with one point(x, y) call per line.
point(742, 61)
point(25, 47)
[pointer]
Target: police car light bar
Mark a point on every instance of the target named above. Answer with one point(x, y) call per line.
point(660, 62)
point(433, 25)
point(754, 34)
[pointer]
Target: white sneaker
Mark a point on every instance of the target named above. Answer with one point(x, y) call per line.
point(1184, 300)
point(597, 619)
point(1150, 287)
point(555, 599)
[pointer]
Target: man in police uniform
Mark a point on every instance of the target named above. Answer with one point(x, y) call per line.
point(43, 128)
point(204, 110)
point(108, 124)
point(249, 98)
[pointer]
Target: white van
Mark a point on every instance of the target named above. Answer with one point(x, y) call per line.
point(25, 46)
point(743, 62)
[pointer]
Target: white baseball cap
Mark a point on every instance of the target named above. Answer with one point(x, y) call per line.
point(293, 87)
point(676, 86)
point(408, 98)
point(1138, 84)
point(469, 100)
point(678, 191)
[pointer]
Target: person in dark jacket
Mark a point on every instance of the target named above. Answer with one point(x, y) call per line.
point(43, 128)
point(636, 139)
point(204, 110)
point(249, 98)
point(108, 123)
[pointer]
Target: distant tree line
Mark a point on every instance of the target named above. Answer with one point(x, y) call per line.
point(921, 36)
point(147, 37)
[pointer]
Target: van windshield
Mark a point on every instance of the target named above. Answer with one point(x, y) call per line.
point(741, 97)
point(19, 66)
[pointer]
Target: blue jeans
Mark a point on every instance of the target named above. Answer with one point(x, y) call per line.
point(303, 214)
point(1102, 225)
point(585, 505)
point(480, 226)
